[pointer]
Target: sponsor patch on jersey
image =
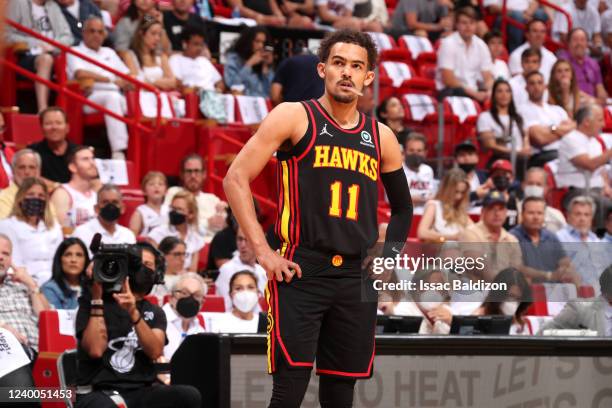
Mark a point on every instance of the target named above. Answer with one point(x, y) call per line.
point(366, 139)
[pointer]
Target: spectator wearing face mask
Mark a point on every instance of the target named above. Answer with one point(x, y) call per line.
point(182, 311)
point(35, 234)
point(535, 185)
point(511, 302)
point(420, 175)
point(243, 317)
point(502, 177)
point(466, 158)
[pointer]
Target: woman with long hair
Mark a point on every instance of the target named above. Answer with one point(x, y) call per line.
point(33, 230)
point(501, 125)
point(446, 215)
point(128, 24)
point(563, 88)
point(66, 284)
point(514, 301)
point(175, 252)
point(249, 63)
point(245, 296)
point(391, 113)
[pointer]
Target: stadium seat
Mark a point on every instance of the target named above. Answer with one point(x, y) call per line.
point(131, 200)
point(466, 111)
point(383, 41)
point(67, 372)
point(77, 118)
point(203, 258)
point(397, 71)
point(538, 306)
point(415, 45)
point(251, 110)
point(213, 304)
point(22, 129)
point(586, 291)
point(152, 299)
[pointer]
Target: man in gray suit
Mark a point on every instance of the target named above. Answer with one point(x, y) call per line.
point(590, 314)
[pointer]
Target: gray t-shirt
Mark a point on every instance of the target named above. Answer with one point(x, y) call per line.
point(428, 11)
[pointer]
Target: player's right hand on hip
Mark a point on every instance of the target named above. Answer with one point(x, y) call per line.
point(278, 267)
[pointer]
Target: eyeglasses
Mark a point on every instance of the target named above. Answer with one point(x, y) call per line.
point(185, 293)
point(178, 254)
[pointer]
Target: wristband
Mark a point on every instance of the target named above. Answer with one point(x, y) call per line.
point(97, 307)
point(137, 320)
point(97, 302)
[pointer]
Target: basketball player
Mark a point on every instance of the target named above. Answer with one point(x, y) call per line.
point(330, 158)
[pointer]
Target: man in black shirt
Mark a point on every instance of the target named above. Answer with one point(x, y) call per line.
point(296, 79)
point(54, 148)
point(120, 335)
point(177, 19)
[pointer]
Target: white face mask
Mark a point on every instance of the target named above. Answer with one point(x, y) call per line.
point(509, 308)
point(245, 300)
point(430, 299)
point(534, 191)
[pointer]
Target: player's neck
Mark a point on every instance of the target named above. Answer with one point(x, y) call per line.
point(345, 114)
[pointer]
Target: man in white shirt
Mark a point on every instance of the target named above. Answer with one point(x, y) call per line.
point(193, 69)
point(546, 124)
point(464, 60)
point(108, 210)
point(211, 210)
point(182, 311)
point(535, 35)
point(106, 87)
point(584, 16)
point(530, 62)
point(75, 200)
point(420, 175)
point(243, 259)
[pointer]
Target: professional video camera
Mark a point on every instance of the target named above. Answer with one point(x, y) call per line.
point(114, 262)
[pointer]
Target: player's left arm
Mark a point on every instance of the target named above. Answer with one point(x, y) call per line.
point(396, 186)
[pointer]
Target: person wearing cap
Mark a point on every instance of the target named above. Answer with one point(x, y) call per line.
point(466, 158)
point(488, 232)
point(502, 177)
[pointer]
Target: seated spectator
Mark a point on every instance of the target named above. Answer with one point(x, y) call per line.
point(583, 159)
point(590, 314)
point(76, 12)
point(563, 89)
point(372, 11)
point(55, 147)
point(536, 35)
point(521, 11)
point(464, 61)
point(174, 251)
point(544, 259)
point(466, 158)
point(585, 16)
point(182, 311)
point(211, 210)
point(109, 208)
point(514, 301)
point(425, 19)
point(6, 157)
point(546, 124)
point(178, 19)
point(500, 69)
point(420, 175)
point(586, 69)
point(182, 223)
point(244, 298)
point(26, 163)
point(66, 284)
point(503, 179)
point(104, 88)
point(579, 221)
point(339, 14)
point(501, 129)
point(244, 260)
point(223, 244)
point(192, 68)
point(463, 302)
point(151, 214)
point(265, 12)
point(446, 215)
point(296, 79)
point(119, 336)
point(75, 201)
point(33, 230)
point(20, 298)
point(391, 113)
point(46, 18)
point(535, 185)
point(489, 232)
point(530, 62)
point(126, 27)
point(249, 63)
point(151, 66)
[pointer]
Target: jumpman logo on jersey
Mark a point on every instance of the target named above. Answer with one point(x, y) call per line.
point(325, 132)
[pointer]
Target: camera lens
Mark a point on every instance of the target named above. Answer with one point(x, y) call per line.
point(111, 269)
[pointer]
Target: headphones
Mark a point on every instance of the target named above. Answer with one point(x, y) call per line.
point(160, 261)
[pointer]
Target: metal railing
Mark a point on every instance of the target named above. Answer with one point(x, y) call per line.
point(509, 20)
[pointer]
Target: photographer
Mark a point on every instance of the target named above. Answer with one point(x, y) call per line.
point(120, 335)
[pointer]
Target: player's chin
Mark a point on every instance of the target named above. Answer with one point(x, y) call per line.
point(343, 97)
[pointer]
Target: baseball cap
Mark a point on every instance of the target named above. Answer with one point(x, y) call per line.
point(502, 164)
point(465, 145)
point(494, 197)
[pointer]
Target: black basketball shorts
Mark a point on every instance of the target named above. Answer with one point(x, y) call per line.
point(323, 315)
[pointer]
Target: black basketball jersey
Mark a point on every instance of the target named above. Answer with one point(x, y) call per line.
point(328, 186)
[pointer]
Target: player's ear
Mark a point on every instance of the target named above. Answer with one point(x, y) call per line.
point(369, 78)
point(321, 70)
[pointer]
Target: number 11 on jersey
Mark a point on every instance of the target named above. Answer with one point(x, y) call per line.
point(335, 208)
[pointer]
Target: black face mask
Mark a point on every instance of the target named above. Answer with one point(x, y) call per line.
point(501, 183)
point(414, 160)
point(467, 167)
point(176, 218)
point(33, 207)
point(188, 307)
point(110, 212)
point(142, 281)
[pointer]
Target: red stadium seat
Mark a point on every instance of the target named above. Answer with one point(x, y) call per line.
point(152, 299)
point(428, 71)
point(131, 200)
point(213, 304)
point(77, 118)
point(203, 258)
point(539, 306)
point(22, 129)
point(415, 45)
point(383, 41)
point(586, 291)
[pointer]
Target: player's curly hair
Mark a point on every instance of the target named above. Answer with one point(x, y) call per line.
point(350, 37)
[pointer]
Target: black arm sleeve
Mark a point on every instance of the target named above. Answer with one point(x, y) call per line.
point(396, 187)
